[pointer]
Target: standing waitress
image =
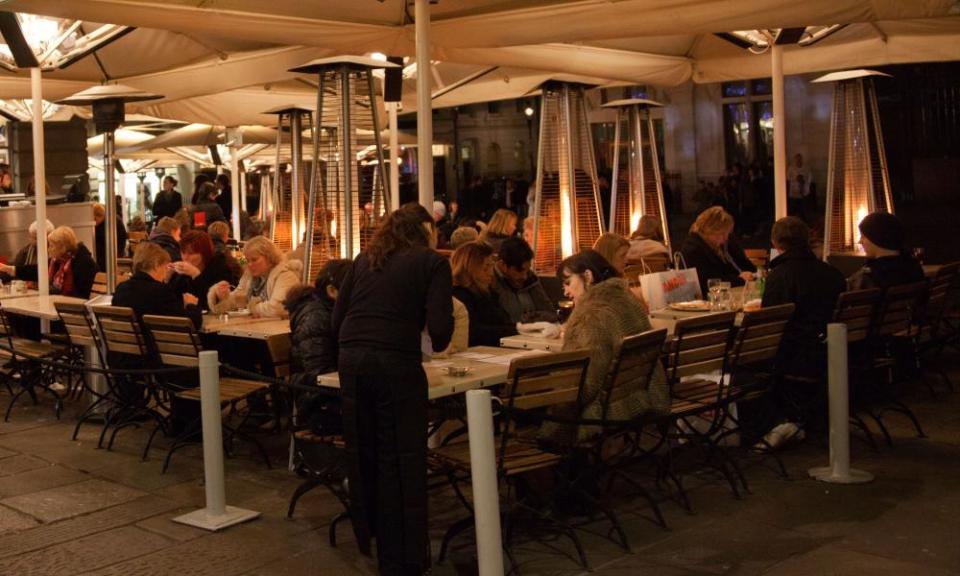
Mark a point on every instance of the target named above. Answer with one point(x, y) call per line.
point(395, 289)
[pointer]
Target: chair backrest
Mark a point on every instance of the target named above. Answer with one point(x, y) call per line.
point(547, 380)
point(634, 362)
point(6, 334)
point(758, 339)
point(899, 307)
point(99, 283)
point(120, 331)
point(757, 256)
point(856, 309)
point(80, 328)
point(938, 300)
point(699, 346)
point(175, 339)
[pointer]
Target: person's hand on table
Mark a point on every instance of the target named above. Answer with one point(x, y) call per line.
point(252, 306)
point(747, 276)
point(222, 290)
point(185, 268)
point(190, 299)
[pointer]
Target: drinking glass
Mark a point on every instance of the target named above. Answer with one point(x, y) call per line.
point(713, 290)
point(723, 298)
point(564, 308)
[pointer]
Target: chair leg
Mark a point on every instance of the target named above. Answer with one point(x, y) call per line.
point(333, 527)
point(643, 492)
point(883, 428)
point(456, 528)
point(900, 407)
point(306, 486)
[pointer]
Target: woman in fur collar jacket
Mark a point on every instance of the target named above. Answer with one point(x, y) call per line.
point(605, 312)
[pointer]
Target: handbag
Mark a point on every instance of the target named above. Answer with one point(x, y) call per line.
point(677, 285)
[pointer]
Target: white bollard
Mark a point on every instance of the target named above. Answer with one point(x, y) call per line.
point(486, 499)
point(217, 514)
point(839, 471)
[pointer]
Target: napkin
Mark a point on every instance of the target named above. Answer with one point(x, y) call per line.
point(542, 329)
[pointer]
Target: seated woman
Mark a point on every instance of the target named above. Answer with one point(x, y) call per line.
point(201, 267)
point(604, 313)
point(502, 225)
point(473, 281)
point(147, 292)
point(647, 240)
point(264, 285)
point(613, 247)
point(712, 250)
point(71, 266)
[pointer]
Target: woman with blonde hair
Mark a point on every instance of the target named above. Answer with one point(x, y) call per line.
point(614, 248)
point(71, 267)
point(714, 252)
point(263, 286)
point(502, 225)
point(473, 284)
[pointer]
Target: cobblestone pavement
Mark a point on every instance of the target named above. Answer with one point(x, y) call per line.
point(67, 507)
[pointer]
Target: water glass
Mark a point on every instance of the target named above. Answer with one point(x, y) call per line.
point(723, 298)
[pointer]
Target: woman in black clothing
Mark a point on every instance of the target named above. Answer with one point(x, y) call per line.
point(473, 280)
point(147, 292)
point(200, 267)
point(397, 289)
point(714, 252)
point(207, 203)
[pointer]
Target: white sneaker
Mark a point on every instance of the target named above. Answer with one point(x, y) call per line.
point(58, 387)
point(779, 435)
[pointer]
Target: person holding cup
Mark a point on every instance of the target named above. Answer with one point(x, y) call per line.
point(263, 286)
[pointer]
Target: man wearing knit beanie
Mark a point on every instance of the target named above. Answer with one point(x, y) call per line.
point(882, 237)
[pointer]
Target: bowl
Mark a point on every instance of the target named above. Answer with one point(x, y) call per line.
point(458, 371)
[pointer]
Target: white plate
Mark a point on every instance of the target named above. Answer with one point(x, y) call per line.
point(691, 306)
point(238, 313)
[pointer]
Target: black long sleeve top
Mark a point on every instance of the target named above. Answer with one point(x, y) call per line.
point(387, 309)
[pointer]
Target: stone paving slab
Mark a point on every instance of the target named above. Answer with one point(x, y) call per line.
point(51, 534)
point(21, 463)
point(836, 560)
point(72, 500)
point(165, 526)
point(39, 479)
point(83, 554)
point(13, 521)
point(237, 551)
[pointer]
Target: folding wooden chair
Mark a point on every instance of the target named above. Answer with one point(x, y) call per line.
point(534, 384)
point(22, 371)
point(177, 343)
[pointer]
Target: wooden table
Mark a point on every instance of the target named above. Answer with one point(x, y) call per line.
point(5, 294)
point(38, 306)
point(274, 332)
point(490, 370)
point(930, 270)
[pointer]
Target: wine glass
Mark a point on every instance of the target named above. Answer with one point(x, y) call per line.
point(713, 289)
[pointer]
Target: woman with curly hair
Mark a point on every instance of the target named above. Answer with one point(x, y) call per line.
point(396, 290)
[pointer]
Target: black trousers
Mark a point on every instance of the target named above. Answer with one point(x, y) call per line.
point(385, 429)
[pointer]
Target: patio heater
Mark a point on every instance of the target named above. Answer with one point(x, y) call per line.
point(857, 179)
point(637, 186)
point(108, 103)
point(287, 222)
point(567, 210)
point(340, 186)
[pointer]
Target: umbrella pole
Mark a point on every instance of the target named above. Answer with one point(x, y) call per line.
point(424, 106)
point(40, 180)
point(779, 135)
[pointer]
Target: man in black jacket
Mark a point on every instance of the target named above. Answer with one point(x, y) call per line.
point(796, 276)
point(882, 238)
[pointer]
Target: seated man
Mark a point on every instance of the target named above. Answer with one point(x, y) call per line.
point(519, 291)
point(166, 234)
point(797, 276)
point(888, 264)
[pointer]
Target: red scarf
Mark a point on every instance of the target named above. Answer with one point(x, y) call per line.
point(61, 276)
